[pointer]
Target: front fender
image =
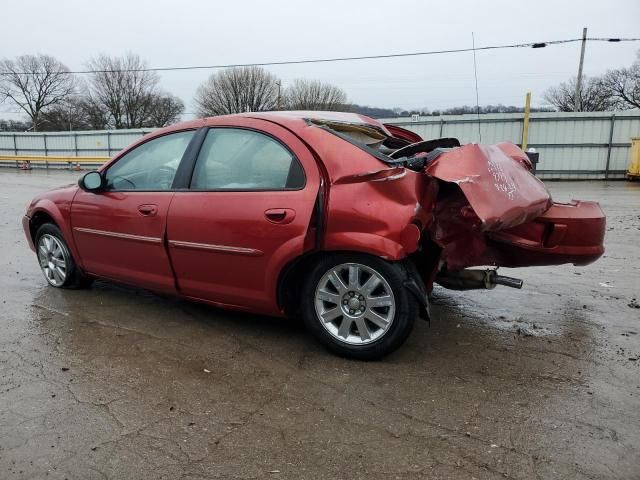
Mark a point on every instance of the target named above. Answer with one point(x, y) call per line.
point(61, 215)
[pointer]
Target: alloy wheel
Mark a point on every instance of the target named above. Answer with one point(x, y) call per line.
point(53, 259)
point(354, 303)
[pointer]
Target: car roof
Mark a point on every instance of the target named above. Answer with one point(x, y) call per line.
point(289, 115)
point(294, 120)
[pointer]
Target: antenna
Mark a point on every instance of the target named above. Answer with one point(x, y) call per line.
point(475, 72)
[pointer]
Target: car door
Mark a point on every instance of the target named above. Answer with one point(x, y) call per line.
point(246, 214)
point(119, 231)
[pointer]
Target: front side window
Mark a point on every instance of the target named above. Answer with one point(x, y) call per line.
point(151, 166)
point(238, 159)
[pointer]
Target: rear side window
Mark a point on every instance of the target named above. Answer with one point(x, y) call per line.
point(238, 159)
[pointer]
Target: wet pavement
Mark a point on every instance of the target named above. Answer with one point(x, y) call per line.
point(117, 383)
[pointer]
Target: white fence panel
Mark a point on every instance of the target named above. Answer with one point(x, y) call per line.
point(100, 143)
point(571, 145)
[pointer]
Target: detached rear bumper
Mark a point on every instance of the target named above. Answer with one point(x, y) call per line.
point(565, 233)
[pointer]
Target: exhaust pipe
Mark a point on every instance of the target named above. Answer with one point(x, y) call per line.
point(475, 279)
point(507, 281)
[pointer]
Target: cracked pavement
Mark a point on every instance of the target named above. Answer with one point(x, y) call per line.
point(118, 383)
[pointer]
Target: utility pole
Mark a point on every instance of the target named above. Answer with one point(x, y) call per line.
point(577, 104)
point(525, 122)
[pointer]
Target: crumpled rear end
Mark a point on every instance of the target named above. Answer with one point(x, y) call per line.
point(496, 181)
point(447, 206)
point(566, 233)
point(491, 210)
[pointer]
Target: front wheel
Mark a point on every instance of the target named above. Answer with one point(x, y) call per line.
point(357, 305)
point(56, 262)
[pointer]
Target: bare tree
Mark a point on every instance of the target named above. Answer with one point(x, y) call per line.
point(35, 83)
point(81, 113)
point(164, 110)
point(623, 84)
point(77, 112)
point(594, 96)
point(237, 90)
point(123, 87)
point(69, 114)
point(96, 115)
point(314, 95)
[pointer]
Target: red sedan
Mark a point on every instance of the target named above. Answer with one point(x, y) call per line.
point(331, 216)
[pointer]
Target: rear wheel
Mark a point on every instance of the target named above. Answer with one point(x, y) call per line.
point(57, 264)
point(357, 305)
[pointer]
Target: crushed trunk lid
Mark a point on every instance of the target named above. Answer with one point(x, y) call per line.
point(496, 181)
point(492, 210)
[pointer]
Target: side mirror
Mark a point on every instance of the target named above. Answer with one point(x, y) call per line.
point(92, 181)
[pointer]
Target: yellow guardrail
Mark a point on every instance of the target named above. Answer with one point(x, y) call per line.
point(53, 159)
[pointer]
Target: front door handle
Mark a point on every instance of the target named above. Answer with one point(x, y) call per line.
point(148, 210)
point(280, 215)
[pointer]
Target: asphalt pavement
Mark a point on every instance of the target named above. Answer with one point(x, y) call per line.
point(118, 383)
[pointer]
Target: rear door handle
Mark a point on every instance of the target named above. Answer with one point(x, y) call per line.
point(280, 215)
point(148, 210)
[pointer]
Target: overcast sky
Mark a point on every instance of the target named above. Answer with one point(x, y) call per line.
point(189, 32)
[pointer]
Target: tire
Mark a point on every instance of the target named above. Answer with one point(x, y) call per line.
point(353, 319)
point(56, 262)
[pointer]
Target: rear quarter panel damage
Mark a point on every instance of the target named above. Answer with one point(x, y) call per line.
point(370, 207)
point(381, 216)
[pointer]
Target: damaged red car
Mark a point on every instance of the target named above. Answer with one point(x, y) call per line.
point(331, 216)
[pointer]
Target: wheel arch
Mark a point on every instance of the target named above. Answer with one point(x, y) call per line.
point(46, 211)
point(39, 218)
point(367, 243)
point(292, 276)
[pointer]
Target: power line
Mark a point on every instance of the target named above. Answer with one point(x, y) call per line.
point(344, 59)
